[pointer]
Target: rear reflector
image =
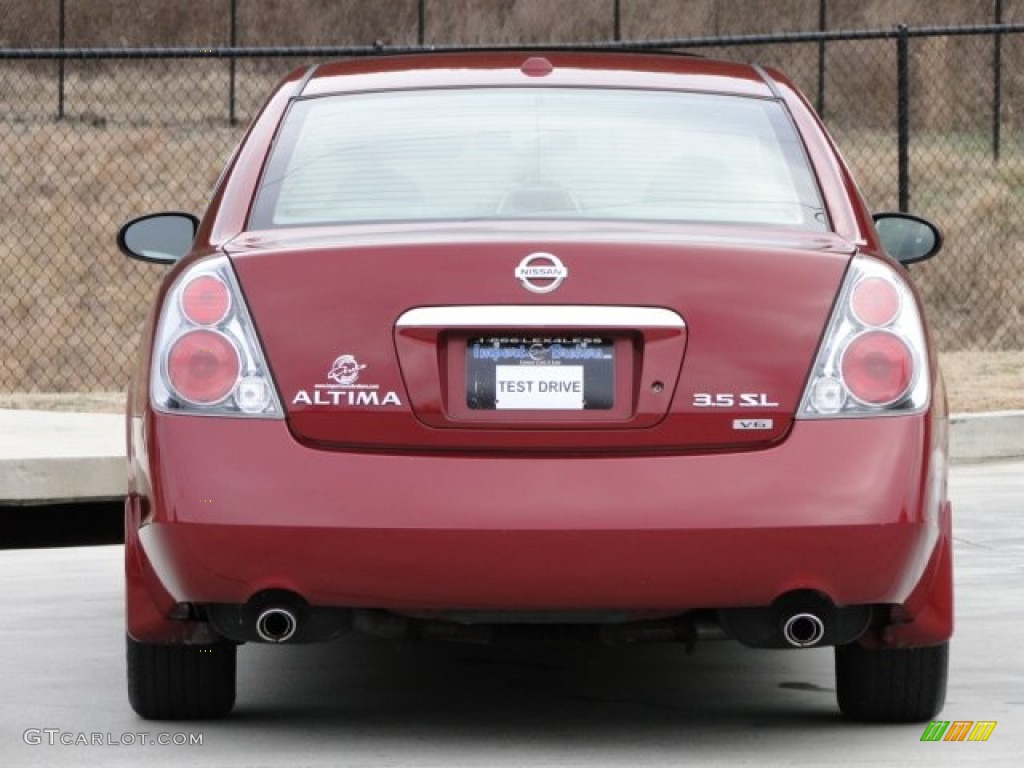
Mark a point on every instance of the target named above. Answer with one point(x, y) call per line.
point(202, 367)
point(877, 367)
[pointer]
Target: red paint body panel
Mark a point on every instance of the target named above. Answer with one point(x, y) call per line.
point(754, 305)
point(662, 534)
point(229, 206)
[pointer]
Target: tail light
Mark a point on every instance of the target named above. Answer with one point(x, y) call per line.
point(205, 300)
point(877, 368)
point(873, 359)
point(207, 359)
point(202, 367)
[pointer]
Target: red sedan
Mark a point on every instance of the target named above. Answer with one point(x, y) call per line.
point(471, 344)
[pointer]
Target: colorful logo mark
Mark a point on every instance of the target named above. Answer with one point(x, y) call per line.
point(958, 730)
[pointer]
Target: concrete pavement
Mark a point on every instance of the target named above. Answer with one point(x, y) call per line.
point(53, 456)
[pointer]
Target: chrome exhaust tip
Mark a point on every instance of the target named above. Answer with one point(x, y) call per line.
point(276, 625)
point(803, 630)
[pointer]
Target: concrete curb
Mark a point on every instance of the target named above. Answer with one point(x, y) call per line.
point(54, 456)
point(51, 456)
point(986, 436)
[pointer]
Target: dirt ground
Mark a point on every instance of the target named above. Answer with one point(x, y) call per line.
point(975, 382)
point(984, 381)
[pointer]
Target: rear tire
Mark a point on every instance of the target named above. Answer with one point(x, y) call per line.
point(891, 685)
point(181, 682)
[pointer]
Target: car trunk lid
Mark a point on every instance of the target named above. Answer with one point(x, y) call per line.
point(541, 338)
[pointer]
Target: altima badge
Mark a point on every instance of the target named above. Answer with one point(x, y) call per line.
point(344, 388)
point(541, 272)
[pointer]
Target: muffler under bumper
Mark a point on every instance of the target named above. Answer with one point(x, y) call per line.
point(796, 620)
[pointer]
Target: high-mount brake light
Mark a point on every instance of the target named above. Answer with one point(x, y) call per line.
point(207, 359)
point(873, 359)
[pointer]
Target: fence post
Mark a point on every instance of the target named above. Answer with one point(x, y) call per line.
point(822, 27)
point(232, 117)
point(617, 20)
point(997, 81)
point(421, 22)
point(60, 62)
point(903, 115)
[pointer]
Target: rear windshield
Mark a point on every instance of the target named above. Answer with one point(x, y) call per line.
point(565, 153)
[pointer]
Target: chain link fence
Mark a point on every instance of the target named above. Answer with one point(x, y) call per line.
point(932, 119)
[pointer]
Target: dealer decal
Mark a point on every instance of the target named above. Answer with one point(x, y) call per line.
point(345, 389)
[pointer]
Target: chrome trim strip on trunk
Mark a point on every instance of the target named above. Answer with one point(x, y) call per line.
point(532, 316)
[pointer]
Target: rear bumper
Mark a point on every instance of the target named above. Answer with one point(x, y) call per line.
point(850, 508)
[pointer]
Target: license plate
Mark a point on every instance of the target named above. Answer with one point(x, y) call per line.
point(540, 373)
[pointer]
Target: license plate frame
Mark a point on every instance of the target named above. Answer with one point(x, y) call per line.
point(568, 374)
